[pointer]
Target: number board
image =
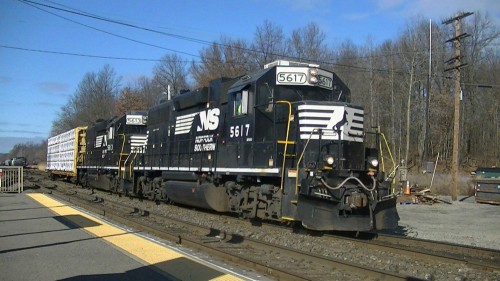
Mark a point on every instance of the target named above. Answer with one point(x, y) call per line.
point(300, 76)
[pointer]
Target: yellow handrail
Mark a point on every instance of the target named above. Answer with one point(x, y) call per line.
point(121, 154)
point(132, 162)
point(300, 160)
point(390, 154)
point(286, 139)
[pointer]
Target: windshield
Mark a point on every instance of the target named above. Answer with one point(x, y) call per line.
point(302, 93)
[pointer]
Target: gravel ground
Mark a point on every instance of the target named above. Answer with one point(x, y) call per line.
point(462, 222)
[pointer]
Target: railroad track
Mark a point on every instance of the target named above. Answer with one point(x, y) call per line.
point(430, 251)
point(284, 263)
point(475, 257)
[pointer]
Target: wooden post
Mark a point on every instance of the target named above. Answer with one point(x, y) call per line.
point(456, 117)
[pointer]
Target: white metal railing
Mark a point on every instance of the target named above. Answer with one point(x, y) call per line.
point(11, 179)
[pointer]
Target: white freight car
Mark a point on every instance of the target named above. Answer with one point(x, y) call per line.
point(65, 152)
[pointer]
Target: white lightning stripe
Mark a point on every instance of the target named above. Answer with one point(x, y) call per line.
point(98, 141)
point(195, 169)
point(183, 123)
point(316, 137)
point(316, 114)
point(315, 107)
point(312, 118)
point(183, 127)
point(138, 140)
point(315, 129)
point(192, 115)
point(314, 122)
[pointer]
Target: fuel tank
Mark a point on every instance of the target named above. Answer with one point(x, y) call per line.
point(205, 196)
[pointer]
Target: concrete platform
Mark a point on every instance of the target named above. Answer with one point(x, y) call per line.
point(45, 239)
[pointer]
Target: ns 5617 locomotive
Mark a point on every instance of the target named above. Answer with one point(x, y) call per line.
point(282, 144)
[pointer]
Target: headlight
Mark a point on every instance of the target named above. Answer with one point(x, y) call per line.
point(313, 72)
point(329, 159)
point(374, 163)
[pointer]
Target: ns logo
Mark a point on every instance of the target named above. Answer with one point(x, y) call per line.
point(209, 120)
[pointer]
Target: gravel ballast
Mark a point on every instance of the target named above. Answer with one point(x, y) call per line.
point(462, 222)
point(465, 223)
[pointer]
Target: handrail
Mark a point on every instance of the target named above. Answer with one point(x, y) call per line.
point(389, 151)
point(132, 162)
point(121, 154)
point(126, 160)
point(286, 139)
point(300, 159)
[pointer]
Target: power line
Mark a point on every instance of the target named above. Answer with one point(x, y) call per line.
point(76, 54)
point(110, 33)
point(97, 17)
point(182, 37)
point(191, 39)
point(479, 85)
point(85, 14)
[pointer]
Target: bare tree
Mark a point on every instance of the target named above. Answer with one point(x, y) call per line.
point(149, 91)
point(346, 64)
point(129, 100)
point(389, 124)
point(412, 59)
point(478, 102)
point(33, 152)
point(269, 44)
point(94, 99)
point(226, 58)
point(308, 44)
point(66, 118)
point(171, 72)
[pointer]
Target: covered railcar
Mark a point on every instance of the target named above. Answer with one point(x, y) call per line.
point(281, 144)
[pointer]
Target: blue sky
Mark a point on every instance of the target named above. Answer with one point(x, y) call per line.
point(34, 85)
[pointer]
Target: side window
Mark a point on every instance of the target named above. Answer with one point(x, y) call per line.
point(241, 103)
point(111, 133)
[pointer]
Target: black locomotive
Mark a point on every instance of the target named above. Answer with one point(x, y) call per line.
point(281, 144)
point(112, 147)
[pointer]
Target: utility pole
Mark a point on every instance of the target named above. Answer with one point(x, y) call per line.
point(457, 65)
point(427, 127)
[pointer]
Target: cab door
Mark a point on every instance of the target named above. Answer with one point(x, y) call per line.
point(240, 128)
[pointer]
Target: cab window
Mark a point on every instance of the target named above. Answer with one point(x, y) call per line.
point(111, 133)
point(240, 103)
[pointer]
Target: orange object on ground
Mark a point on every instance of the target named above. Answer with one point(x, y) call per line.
point(407, 189)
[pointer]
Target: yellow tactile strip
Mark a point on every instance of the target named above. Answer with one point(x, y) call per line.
point(174, 263)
